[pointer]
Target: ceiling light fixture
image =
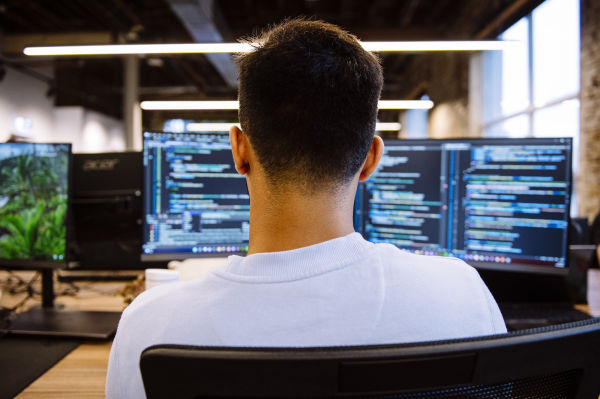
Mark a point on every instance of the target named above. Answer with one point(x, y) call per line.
point(224, 127)
point(234, 105)
point(405, 104)
point(124, 49)
point(455, 45)
point(387, 126)
point(209, 127)
point(189, 105)
point(193, 48)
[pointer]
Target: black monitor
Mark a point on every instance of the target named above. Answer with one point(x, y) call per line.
point(34, 204)
point(195, 203)
point(35, 186)
point(498, 204)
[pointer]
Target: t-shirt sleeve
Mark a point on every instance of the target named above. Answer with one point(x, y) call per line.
point(113, 387)
point(497, 320)
point(123, 378)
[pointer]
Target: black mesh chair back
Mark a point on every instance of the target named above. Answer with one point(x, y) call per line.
point(554, 362)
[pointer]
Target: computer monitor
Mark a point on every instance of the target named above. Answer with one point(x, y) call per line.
point(34, 231)
point(34, 204)
point(195, 203)
point(495, 203)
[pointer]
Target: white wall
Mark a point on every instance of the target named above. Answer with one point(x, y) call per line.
point(102, 133)
point(67, 124)
point(24, 96)
point(88, 131)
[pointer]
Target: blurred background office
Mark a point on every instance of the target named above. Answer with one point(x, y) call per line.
point(547, 85)
point(129, 122)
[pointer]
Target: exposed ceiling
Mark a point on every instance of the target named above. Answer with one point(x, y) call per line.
point(97, 82)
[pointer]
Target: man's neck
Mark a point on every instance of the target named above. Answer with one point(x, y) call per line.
point(294, 220)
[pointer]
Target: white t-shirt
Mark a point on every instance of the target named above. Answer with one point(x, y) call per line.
point(345, 291)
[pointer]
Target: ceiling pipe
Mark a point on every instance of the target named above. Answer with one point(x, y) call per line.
point(197, 16)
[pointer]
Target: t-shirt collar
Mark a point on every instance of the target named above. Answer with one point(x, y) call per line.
point(299, 263)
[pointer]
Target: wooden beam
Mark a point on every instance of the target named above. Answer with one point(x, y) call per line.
point(514, 11)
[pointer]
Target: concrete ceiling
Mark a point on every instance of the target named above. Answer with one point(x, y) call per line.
point(97, 82)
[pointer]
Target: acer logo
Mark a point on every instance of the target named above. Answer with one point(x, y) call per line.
point(99, 164)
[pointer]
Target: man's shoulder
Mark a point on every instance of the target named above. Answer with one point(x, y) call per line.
point(153, 297)
point(161, 300)
point(402, 267)
point(395, 257)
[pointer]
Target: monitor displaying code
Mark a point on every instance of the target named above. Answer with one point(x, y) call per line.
point(491, 202)
point(195, 203)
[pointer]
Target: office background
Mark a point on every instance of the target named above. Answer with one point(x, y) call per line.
point(547, 86)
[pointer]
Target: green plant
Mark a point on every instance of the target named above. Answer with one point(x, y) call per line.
point(34, 207)
point(35, 233)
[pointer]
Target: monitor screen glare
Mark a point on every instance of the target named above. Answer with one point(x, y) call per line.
point(496, 203)
point(34, 187)
point(195, 203)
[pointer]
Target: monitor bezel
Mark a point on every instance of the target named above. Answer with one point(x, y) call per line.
point(29, 264)
point(515, 266)
point(168, 256)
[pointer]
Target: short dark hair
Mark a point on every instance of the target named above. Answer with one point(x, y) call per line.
point(308, 100)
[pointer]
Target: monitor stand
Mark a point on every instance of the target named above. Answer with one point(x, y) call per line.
point(49, 320)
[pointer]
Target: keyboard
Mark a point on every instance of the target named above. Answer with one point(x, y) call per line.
point(520, 316)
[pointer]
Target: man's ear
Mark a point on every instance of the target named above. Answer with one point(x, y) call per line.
point(239, 149)
point(373, 158)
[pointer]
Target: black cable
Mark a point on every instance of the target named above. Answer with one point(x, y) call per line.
point(16, 285)
point(8, 314)
point(71, 290)
point(21, 285)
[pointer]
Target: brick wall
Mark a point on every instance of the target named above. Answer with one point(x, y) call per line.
point(588, 182)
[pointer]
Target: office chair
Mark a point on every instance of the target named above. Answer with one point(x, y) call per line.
point(553, 362)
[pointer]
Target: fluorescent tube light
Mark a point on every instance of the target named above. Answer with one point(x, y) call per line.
point(192, 48)
point(189, 105)
point(387, 126)
point(224, 127)
point(122, 49)
point(418, 46)
point(233, 105)
point(405, 104)
point(209, 127)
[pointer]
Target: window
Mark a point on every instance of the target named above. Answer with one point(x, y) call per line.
point(532, 90)
point(555, 50)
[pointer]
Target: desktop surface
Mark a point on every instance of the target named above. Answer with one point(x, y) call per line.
point(65, 323)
